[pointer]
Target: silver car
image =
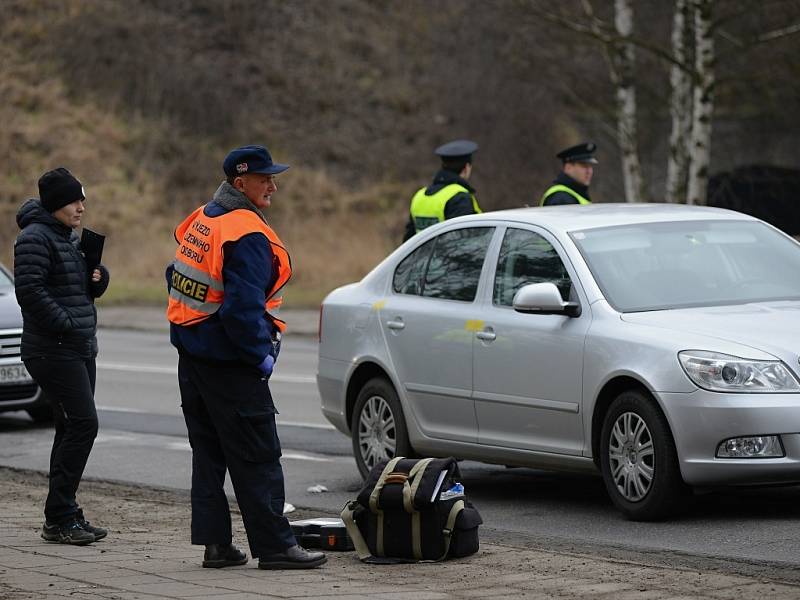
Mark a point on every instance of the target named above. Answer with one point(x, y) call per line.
point(656, 343)
point(18, 391)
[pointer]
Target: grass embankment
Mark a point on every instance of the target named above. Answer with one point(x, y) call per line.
point(334, 234)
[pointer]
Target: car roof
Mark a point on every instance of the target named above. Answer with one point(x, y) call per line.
point(574, 217)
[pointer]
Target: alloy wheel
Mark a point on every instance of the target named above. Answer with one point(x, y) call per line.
point(631, 456)
point(377, 436)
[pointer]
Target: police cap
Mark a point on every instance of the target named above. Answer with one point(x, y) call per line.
point(583, 153)
point(251, 159)
point(458, 150)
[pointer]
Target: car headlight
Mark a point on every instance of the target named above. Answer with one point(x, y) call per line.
point(725, 373)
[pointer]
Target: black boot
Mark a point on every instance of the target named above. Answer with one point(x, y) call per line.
point(295, 557)
point(223, 555)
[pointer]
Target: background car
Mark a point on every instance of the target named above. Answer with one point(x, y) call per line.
point(18, 391)
point(655, 343)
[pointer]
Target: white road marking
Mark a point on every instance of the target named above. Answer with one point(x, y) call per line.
point(184, 446)
point(304, 456)
point(121, 409)
point(134, 368)
point(126, 409)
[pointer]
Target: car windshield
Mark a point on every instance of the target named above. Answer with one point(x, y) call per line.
point(657, 266)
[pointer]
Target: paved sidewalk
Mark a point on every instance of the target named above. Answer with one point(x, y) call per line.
point(147, 556)
point(152, 318)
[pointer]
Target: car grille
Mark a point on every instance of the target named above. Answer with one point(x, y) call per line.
point(10, 340)
point(17, 392)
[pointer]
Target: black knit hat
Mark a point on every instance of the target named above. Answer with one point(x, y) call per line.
point(58, 188)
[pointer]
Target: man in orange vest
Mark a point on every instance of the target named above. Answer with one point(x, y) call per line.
point(224, 291)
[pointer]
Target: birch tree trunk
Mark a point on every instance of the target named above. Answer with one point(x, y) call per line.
point(703, 104)
point(622, 72)
point(680, 108)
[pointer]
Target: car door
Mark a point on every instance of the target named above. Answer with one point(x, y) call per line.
point(426, 321)
point(528, 367)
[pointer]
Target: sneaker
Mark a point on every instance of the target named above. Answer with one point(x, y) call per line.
point(223, 555)
point(98, 532)
point(70, 532)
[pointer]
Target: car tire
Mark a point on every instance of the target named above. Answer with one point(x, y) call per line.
point(638, 459)
point(378, 427)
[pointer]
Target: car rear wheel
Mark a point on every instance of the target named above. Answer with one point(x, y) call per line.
point(378, 428)
point(638, 459)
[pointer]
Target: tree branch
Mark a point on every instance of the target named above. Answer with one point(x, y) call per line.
point(608, 38)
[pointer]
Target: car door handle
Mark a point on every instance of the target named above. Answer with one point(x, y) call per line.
point(396, 324)
point(488, 335)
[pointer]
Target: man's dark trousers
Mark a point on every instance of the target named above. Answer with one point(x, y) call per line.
point(230, 417)
point(69, 387)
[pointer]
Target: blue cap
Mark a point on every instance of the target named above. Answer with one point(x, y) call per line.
point(251, 159)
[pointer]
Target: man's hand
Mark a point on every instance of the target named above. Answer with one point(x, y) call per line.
point(96, 275)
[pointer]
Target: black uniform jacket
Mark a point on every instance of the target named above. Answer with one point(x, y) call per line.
point(564, 197)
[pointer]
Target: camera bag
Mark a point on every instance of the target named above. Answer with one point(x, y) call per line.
point(412, 510)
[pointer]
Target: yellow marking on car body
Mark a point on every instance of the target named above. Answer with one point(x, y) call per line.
point(473, 325)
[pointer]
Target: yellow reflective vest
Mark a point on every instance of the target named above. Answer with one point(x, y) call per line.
point(563, 188)
point(429, 210)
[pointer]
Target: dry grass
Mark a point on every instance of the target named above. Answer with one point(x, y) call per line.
point(335, 234)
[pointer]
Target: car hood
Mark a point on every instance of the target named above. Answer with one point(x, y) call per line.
point(770, 327)
point(10, 315)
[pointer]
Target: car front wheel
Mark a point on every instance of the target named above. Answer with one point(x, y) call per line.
point(378, 428)
point(638, 459)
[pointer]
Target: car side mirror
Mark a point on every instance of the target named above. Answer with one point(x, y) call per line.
point(543, 299)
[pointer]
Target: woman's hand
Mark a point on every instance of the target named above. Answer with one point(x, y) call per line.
point(96, 275)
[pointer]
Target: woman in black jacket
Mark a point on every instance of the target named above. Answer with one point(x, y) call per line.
point(59, 346)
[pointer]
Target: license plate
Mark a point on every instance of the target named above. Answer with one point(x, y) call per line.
point(14, 374)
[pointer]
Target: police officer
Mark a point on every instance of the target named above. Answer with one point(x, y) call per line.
point(449, 195)
point(572, 184)
point(224, 291)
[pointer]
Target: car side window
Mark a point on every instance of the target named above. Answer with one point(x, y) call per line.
point(409, 273)
point(526, 257)
point(455, 265)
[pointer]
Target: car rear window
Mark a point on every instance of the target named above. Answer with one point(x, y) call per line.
point(409, 273)
point(455, 265)
point(448, 266)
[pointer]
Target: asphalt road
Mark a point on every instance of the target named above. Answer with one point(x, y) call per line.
point(142, 440)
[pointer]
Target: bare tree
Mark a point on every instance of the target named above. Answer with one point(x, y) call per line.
point(680, 104)
point(622, 61)
point(702, 103)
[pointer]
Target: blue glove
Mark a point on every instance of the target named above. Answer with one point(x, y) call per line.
point(266, 365)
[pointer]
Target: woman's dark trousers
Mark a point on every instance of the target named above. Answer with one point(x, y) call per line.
point(69, 387)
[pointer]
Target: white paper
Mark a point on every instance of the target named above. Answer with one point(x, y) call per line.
point(438, 485)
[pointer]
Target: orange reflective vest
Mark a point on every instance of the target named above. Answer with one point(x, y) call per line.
point(197, 290)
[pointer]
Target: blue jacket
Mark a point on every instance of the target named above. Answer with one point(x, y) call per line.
point(239, 331)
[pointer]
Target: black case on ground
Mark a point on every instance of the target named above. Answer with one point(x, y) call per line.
point(323, 533)
point(433, 513)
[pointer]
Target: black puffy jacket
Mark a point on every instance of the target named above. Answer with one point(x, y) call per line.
point(53, 288)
